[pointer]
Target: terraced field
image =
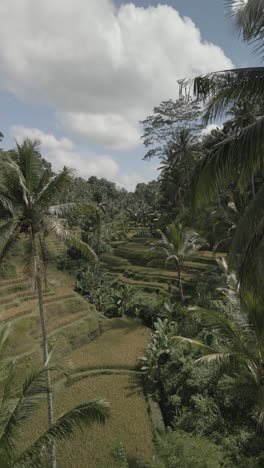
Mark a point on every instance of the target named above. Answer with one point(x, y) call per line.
point(103, 355)
point(106, 368)
point(65, 311)
point(103, 352)
point(132, 263)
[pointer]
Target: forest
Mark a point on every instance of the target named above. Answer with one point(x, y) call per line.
point(132, 323)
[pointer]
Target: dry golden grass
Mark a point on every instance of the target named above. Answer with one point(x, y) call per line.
point(119, 346)
point(17, 308)
point(63, 307)
point(129, 422)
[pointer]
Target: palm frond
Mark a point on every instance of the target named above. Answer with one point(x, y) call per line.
point(219, 322)
point(22, 182)
point(224, 88)
point(84, 248)
point(5, 201)
point(9, 395)
point(12, 236)
point(70, 208)
point(225, 359)
point(96, 411)
point(255, 312)
point(238, 156)
point(28, 162)
point(52, 224)
point(54, 187)
point(170, 258)
point(251, 265)
point(247, 225)
point(261, 407)
point(174, 234)
point(6, 226)
point(249, 19)
point(190, 342)
point(33, 391)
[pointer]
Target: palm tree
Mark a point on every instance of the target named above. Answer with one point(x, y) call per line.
point(177, 245)
point(178, 162)
point(19, 404)
point(27, 193)
point(240, 155)
point(239, 337)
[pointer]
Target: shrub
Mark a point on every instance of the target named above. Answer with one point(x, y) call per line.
point(146, 307)
point(186, 451)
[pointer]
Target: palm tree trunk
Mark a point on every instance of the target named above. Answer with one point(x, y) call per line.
point(253, 186)
point(180, 282)
point(45, 357)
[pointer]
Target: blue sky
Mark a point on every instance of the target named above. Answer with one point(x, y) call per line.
point(83, 73)
point(214, 24)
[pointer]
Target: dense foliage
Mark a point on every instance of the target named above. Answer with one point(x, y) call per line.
point(204, 364)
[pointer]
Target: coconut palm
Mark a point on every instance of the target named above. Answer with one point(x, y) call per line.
point(27, 213)
point(239, 337)
point(178, 162)
point(240, 155)
point(177, 245)
point(19, 403)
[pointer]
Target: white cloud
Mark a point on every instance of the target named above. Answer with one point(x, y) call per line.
point(62, 152)
point(101, 68)
point(110, 130)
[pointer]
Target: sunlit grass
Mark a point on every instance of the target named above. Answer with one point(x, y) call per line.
point(119, 346)
point(129, 422)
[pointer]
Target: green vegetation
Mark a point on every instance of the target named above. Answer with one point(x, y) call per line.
point(18, 405)
point(151, 300)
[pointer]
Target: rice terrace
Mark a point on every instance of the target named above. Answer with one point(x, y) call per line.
point(131, 234)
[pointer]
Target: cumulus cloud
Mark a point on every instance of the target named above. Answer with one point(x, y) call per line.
point(63, 152)
point(100, 67)
point(110, 130)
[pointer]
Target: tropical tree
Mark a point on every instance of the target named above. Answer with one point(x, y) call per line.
point(27, 213)
point(240, 155)
point(238, 329)
point(177, 245)
point(18, 404)
point(167, 119)
point(177, 165)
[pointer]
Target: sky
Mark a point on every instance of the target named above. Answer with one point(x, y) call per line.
point(79, 75)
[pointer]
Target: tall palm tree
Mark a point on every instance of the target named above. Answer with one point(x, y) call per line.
point(240, 155)
point(239, 338)
point(243, 114)
point(177, 245)
point(27, 212)
point(178, 162)
point(19, 403)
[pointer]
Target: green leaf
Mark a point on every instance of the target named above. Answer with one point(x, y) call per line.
point(96, 411)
